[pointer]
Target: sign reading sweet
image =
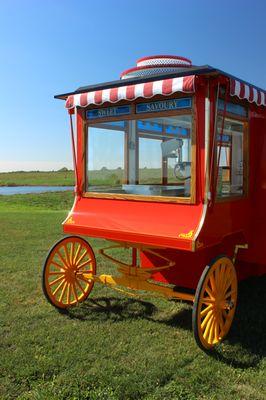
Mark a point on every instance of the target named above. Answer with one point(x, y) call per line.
point(108, 112)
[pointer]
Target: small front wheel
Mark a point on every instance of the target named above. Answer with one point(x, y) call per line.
point(68, 272)
point(215, 303)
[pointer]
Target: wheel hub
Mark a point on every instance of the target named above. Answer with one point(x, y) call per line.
point(224, 305)
point(230, 305)
point(70, 274)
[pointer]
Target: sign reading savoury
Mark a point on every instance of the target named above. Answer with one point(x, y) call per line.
point(163, 105)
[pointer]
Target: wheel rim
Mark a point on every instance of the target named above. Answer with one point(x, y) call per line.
point(69, 271)
point(217, 302)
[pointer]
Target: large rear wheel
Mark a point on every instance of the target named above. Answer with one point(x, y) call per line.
point(68, 272)
point(215, 303)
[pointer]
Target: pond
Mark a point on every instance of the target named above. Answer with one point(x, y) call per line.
point(7, 190)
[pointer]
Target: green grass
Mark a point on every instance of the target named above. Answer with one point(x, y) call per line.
point(37, 178)
point(31, 202)
point(111, 347)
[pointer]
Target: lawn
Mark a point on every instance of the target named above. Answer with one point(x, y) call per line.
point(37, 178)
point(111, 347)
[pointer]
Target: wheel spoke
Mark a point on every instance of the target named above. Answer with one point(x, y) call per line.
point(72, 247)
point(225, 277)
point(58, 287)
point(77, 254)
point(84, 263)
point(63, 292)
point(216, 329)
point(84, 273)
point(222, 269)
point(56, 272)
point(56, 280)
point(228, 283)
point(206, 319)
point(207, 328)
point(62, 259)
point(227, 280)
point(81, 288)
point(213, 286)
point(208, 300)
point(74, 291)
point(211, 331)
point(67, 256)
point(209, 292)
point(81, 257)
point(206, 310)
point(221, 325)
point(59, 266)
point(68, 293)
point(217, 278)
point(83, 279)
point(222, 277)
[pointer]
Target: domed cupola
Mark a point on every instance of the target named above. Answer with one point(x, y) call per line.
point(156, 65)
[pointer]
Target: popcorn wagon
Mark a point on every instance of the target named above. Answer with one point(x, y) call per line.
point(170, 163)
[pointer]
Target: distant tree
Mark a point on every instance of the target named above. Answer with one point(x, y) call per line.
point(64, 169)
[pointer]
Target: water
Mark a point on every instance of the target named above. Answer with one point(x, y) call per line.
point(6, 190)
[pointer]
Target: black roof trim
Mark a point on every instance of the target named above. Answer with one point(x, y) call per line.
point(201, 70)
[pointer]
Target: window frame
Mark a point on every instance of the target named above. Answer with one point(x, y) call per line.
point(245, 122)
point(135, 116)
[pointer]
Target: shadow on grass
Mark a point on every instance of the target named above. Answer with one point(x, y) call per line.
point(245, 346)
point(112, 308)
point(247, 337)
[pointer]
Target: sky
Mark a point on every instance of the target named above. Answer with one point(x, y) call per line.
point(55, 46)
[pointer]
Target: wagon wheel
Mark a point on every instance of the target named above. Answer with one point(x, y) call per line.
point(68, 272)
point(215, 303)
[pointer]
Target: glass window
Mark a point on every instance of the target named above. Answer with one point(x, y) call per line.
point(230, 158)
point(148, 157)
point(150, 161)
point(106, 166)
point(233, 108)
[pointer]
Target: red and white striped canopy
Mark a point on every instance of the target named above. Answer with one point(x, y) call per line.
point(164, 87)
point(146, 90)
point(247, 92)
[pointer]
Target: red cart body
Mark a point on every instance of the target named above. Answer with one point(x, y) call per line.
point(191, 232)
point(206, 195)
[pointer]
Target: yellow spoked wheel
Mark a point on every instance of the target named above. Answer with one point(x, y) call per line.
point(68, 272)
point(215, 303)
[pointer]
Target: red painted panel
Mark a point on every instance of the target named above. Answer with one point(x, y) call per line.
point(224, 219)
point(257, 185)
point(187, 271)
point(158, 224)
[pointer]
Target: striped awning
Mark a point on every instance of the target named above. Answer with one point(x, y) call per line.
point(250, 93)
point(146, 90)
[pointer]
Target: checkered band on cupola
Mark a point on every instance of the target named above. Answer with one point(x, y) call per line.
point(156, 65)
